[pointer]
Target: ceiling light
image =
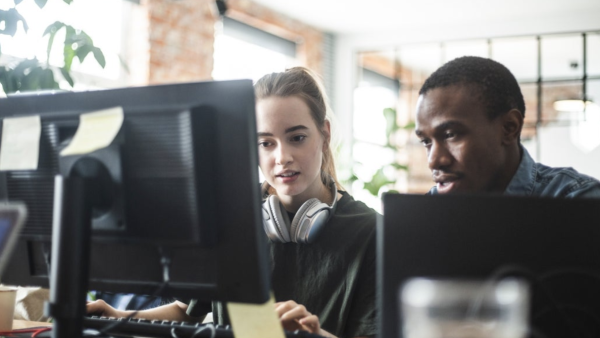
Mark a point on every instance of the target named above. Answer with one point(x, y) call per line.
point(571, 105)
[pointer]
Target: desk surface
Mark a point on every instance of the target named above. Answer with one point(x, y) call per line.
point(23, 324)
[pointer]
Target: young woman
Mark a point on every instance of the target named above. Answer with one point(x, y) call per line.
point(323, 271)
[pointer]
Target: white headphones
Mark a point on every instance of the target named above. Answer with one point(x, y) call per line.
point(307, 223)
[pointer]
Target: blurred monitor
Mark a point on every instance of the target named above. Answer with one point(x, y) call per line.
point(551, 244)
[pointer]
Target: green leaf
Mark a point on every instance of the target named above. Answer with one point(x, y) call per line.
point(11, 19)
point(124, 64)
point(391, 123)
point(68, 52)
point(32, 80)
point(399, 166)
point(82, 52)
point(47, 80)
point(53, 28)
point(377, 182)
point(4, 77)
point(99, 56)
point(68, 2)
point(18, 2)
point(67, 76)
point(41, 3)
point(409, 126)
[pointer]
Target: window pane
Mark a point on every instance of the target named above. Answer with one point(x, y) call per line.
point(531, 103)
point(568, 145)
point(593, 54)
point(562, 57)
point(553, 92)
point(423, 58)
point(519, 55)
point(369, 121)
point(238, 59)
point(380, 63)
point(453, 50)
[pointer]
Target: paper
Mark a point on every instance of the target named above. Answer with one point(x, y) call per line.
point(255, 320)
point(96, 130)
point(20, 147)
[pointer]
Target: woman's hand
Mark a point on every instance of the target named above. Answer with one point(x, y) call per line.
point(100, 308)
point(294, 317)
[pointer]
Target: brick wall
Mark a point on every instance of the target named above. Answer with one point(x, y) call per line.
point(173, 41)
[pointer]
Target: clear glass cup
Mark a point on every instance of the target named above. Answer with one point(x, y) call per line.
point(464, 308)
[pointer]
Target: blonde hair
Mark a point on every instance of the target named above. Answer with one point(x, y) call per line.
point(304, 84)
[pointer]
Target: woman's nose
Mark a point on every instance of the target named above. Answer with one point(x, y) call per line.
point(283, 155)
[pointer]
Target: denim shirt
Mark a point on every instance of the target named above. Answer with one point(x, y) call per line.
point(536, 179)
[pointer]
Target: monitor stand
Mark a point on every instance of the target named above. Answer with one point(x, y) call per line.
point(71, 232)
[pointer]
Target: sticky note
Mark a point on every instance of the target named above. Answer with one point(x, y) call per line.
point(255, 320)
point(20, 147)
point(96, 130)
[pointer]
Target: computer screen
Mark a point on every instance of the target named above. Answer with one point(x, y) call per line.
point(550, 243)
point(180, 180)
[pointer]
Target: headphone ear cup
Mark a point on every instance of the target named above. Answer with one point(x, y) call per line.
point(280, 218)
point(300, 217)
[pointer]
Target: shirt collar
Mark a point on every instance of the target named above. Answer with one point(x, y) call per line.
point(523, 181)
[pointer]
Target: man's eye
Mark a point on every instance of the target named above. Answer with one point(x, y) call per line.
point(450, 134)
point(425, 142)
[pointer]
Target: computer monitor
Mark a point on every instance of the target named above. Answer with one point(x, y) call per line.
point(180, 181)
point(551, 243)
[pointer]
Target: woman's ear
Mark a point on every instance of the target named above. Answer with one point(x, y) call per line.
point(326, 134)
point(512, 123)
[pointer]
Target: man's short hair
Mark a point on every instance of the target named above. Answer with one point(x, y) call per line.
point(498, 88)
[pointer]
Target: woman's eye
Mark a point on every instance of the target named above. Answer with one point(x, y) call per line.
point(450, 134)
point(264, 144)
point(298, 138)
point(425, 142)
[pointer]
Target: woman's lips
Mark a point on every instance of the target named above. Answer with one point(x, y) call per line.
point(288, 177)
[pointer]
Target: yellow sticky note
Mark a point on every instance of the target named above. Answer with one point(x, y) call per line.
point(96, 131)
point(255, 320)
point(20, 147)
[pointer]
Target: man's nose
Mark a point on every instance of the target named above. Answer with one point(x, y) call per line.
point(438, 157)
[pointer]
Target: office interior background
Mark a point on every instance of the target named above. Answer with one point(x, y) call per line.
point(373, 57)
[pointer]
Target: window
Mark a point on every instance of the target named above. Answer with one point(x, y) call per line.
point(245, 52)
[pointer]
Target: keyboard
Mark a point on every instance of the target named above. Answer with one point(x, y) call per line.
point(165, 328)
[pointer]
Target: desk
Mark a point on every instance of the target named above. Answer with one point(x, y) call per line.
point(23, 324)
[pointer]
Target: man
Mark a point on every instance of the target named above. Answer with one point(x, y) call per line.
point(469, 118)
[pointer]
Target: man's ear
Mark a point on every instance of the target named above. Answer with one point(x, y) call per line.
point(512, 123)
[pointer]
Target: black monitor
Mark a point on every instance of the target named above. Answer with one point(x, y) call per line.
point(551, 243)
point(179, 184)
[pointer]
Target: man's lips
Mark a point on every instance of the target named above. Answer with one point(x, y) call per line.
point(445, 182)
